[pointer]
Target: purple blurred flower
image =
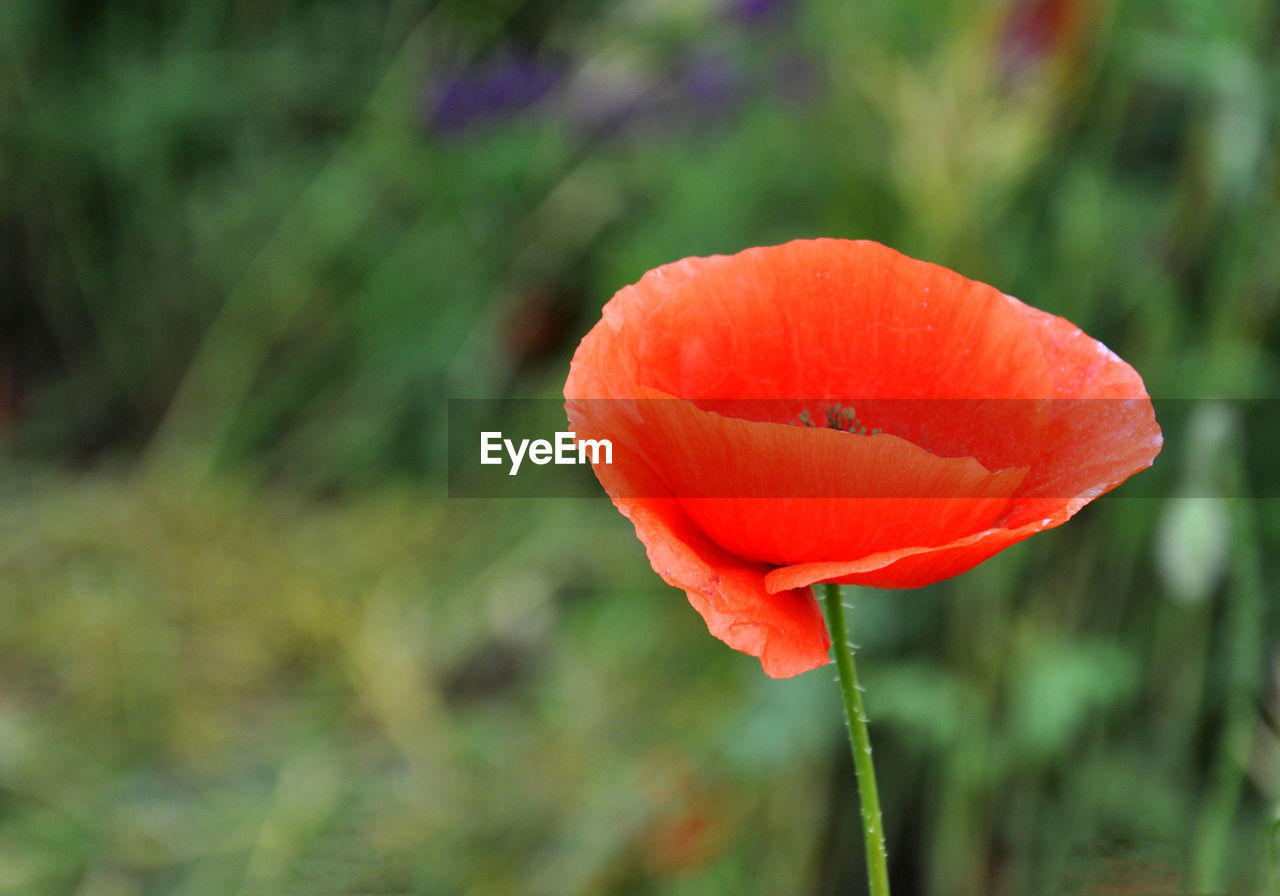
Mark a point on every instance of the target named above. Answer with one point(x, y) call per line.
point(486, 90)
point(603, 101)
point(758, 12)
point(610, 94)
point(712, 84)
point(696, 90)
point(688, 93)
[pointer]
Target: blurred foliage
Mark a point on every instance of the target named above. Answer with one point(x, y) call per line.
point(248, 249)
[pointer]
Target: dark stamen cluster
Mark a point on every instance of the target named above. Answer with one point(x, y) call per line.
point(840, 419)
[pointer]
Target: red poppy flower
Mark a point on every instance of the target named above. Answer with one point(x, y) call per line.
point(979, 421)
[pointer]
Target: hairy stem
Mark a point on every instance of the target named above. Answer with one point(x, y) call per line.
point(860, 741)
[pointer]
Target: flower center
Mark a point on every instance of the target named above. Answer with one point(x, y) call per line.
point(841, 419)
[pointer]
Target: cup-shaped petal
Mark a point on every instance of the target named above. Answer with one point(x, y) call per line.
point(829, 410)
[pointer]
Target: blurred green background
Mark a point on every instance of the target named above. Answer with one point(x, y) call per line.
point(248, 644)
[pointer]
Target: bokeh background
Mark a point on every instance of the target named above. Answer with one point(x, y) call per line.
point(248, 644)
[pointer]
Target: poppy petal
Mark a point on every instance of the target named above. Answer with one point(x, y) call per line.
point(1103, 428)
point(785, 628)
point(909, 567)
point(997, 421)
point(1101, 431)
point(818, 318)
point(786, 494)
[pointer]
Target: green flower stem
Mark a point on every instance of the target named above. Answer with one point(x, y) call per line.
point(860, 741)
